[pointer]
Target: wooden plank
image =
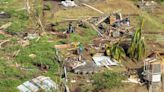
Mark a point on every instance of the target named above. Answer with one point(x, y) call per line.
point(100, 21)
point(64, 46)
point(93, 27)
point(5, 26)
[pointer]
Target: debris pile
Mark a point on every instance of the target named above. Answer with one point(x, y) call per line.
point(4, 15)
point(147, 5)
point(40, 83)
point(68, 3)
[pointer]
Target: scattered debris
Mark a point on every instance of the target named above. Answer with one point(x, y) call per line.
point(28, 36)
point(16, 53)
point(89, 68)
point(40, 83)
point(76, 64)
point(101, 60)
point(73, 81)
point(133, 79)
point(147, 5)
point(94, 28)
point(24, 43)
point(70, 29)
point(63, 46)
point(32, 56)
point(3, 42)
point(5, 26)
point(4, 15)
point(68, 3)
point(42, 67)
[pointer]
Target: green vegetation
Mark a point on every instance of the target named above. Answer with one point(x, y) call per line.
point(19, 17)
point(19, 21)
point(23, 67)
point(115, 51)
point(8, 76)
point(107, 80)
point(38, 58)
point(45, 55)
point(137, 47)
point(2, 37)
point(86, 36)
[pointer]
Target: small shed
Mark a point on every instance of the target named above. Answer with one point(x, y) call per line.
point(152, 70)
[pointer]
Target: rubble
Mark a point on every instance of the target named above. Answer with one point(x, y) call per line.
point(39, 83)
point(28, 36)
point(147, 5)
point(87, 69)
point(101, 60)
point(74, 59)
point(68, 3)
point(3, 42)
point(24, 43)
point(5, 26)
point(4, 15)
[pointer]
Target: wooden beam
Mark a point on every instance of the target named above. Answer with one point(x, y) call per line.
point(5, 26)
point(93, 27)
point(100, 21)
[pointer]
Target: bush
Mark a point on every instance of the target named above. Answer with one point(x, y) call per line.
point(19, 21)
point(44, 54)
point(107, 80)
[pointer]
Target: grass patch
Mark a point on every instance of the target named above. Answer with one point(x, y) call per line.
point(44, 52)
point(86, 36)
point(8, 77)
point(19, 18)
point(19, 21)
point(151, 24)
point(107, 80)
point(2, 37)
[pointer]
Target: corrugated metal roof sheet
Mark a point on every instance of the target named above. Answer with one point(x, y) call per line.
point(39, 83)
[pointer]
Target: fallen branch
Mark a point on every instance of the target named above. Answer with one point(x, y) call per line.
point(93, 27)
point(106, 66)
point(93, 8)
point(100, 21)
point(5, 26)
point(16, 53)
point(3, 42)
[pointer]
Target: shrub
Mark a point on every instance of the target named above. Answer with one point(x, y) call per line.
point(107, 80)
point(19, 21)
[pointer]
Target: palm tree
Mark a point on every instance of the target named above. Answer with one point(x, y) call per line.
point(137, 47)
